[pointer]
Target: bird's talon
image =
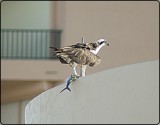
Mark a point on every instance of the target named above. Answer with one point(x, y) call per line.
point(74, 77)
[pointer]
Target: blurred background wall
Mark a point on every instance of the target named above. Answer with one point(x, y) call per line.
point(132, 28)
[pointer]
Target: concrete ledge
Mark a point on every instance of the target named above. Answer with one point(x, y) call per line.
point(128, 94)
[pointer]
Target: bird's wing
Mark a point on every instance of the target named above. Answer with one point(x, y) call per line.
point(79, 53)
point(88, 46)
point(82, 56)
point(81, 45)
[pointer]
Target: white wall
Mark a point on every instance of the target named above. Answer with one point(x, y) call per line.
point(26, 14)
point(124, 95)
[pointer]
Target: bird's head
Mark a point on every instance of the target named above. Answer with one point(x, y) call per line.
point(96, 46)
point(102, 42)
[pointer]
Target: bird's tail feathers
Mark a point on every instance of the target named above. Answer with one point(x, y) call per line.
point(57, 50)
point(52, 47)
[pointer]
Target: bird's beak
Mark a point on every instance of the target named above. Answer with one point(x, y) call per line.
point(107, 43)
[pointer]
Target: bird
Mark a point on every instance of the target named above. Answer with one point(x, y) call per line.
point(83, 54)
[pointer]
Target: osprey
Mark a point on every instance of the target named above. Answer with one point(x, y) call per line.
point(81, 54)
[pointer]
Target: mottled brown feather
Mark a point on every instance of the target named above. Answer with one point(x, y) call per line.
point(79, 55)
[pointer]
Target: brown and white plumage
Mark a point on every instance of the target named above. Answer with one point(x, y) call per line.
point(80, 54)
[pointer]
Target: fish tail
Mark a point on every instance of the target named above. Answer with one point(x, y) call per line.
point(69, 89)
point(65, 89)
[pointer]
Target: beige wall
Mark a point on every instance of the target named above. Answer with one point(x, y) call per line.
point(34, 70)
point(131, 27)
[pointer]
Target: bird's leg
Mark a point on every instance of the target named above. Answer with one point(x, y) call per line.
point(74, 65)
point(75, 72)
point(83, 70)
